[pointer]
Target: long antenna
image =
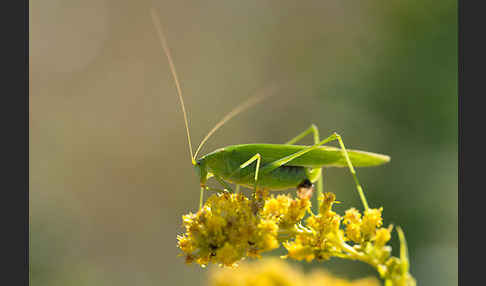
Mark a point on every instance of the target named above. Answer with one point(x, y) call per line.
point(263, 94)
point(165, 46)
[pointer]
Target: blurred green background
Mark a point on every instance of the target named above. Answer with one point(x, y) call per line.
point(110, 174)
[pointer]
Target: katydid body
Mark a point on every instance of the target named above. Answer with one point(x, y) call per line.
point(225, 163)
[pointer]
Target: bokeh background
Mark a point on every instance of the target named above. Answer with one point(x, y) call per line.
point(110, 174)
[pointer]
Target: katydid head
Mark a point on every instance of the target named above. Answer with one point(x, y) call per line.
point(201, 170)
point(197, 167)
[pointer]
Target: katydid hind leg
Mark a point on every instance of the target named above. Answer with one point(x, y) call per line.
point(312, 129)
point(282, 161)
point(276, 164)
point(359, 188)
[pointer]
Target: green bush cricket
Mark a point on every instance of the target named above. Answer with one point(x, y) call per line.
point(269, 166)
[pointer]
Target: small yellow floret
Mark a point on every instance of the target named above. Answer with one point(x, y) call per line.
point(371, 220)
point(328, 200)
point(382, 236)
point(299, 252)
point(227, 255)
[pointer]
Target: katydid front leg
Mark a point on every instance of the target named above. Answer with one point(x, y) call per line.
point(257, 158)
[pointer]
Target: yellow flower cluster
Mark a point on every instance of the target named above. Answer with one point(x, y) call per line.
point(322, 238)
point(275, 272)
point(226, 230)
point(230, 227)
